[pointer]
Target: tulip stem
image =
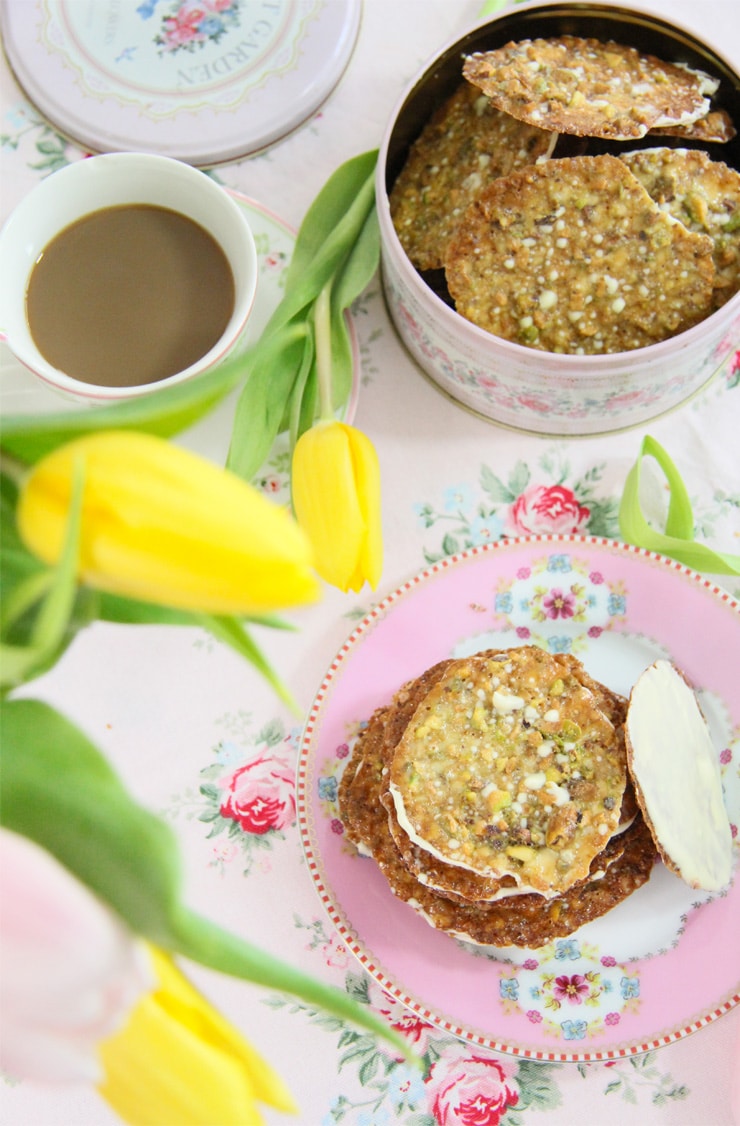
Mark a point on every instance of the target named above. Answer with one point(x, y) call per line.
point(231, 632)
point(322, 329)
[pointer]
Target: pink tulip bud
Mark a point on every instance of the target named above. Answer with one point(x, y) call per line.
point(70, 971)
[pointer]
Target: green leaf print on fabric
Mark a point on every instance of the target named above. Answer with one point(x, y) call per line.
point(640, 1074)
point(47, 149)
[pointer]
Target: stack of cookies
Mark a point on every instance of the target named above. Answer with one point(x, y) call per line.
point(495, 793)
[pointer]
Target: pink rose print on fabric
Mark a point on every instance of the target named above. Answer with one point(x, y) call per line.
point(336, 953)
point(544, 509)
point(470, 1090)
point(260, 795)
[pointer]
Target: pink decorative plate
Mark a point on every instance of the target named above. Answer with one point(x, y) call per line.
point(662, 964)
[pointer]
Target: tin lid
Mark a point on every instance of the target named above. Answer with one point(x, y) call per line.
point(205, 81)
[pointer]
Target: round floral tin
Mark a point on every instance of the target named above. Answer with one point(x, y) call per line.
point(509, 383)
point(204, 82)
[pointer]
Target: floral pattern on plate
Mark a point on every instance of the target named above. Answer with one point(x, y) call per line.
point(571, 1004)
point(557, 600)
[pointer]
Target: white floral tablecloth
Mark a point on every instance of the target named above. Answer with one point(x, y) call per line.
point(198, 737)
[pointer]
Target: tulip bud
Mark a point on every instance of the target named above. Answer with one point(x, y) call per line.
point(70, 971)
point(179, 1060)
point(166, 526)
point(336, 498)
point(84, 1000)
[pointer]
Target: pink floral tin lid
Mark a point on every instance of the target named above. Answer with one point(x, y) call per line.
point(205, 81)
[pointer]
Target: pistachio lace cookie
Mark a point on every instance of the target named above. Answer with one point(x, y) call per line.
point(522, 919)
point(359, 786)
point(588, 87)
point(660, 751)
point(716, 128)
point(466, 143)
point(704, 195)
point(459, 883)
point(574, 256)
point(510, 768)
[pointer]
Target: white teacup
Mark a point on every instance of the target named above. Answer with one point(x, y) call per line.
point(112, 180)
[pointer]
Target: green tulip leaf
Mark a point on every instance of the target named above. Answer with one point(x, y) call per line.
point(305, 407)
point(360, 265)
point(131, 611)
point(17, 564)
point(303, 379)
point(677, 540)
point(231, 631)
point(329, 259)
point(358, 270)
point(55, 594)
point(337, 249)
point(164, 413)
point(332, 224)
point(273, 367)
point(89, 823)
point(680, 518)
point(129, 857)
point(342, 358)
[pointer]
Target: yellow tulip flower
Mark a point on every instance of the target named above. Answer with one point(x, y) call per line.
point(162, 524)
point(336, 499)
point(177, 1060)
